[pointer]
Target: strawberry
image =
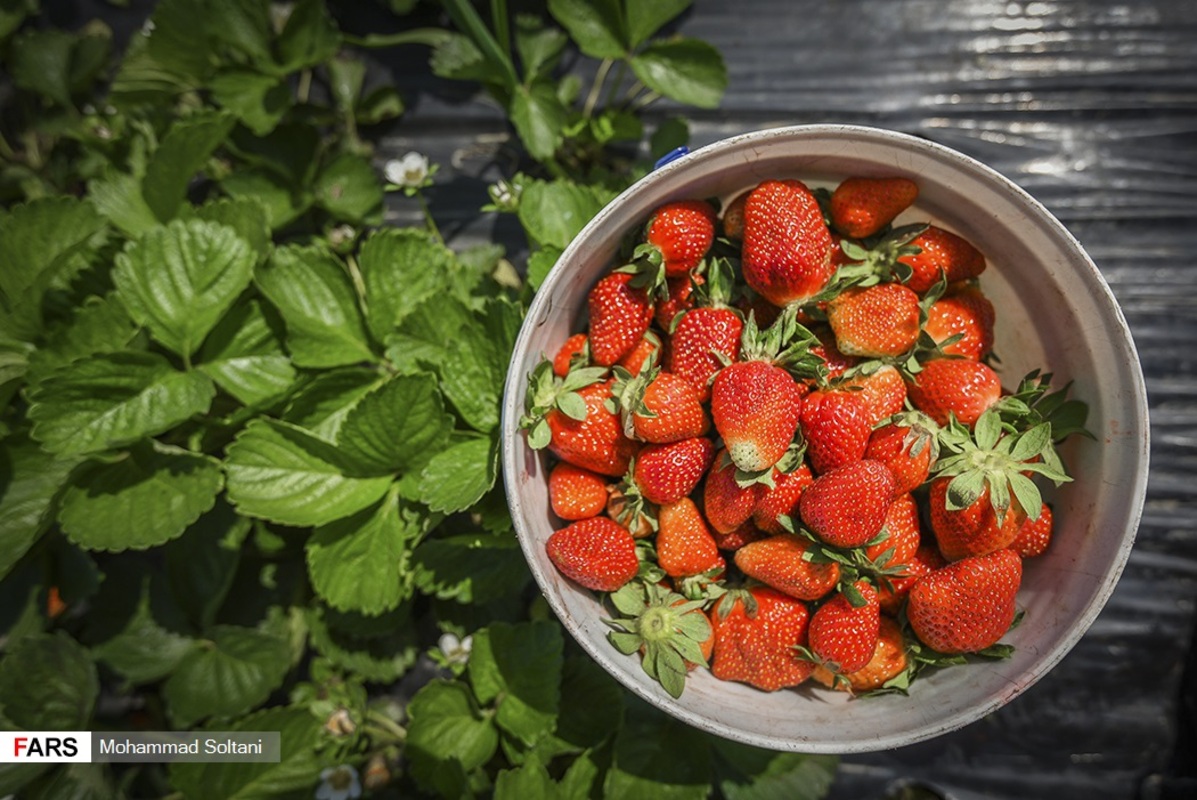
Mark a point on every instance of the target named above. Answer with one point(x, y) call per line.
point(702, 336)
point(576, 493)
point(888, 661)
point(783, 563)
point(679, 297)
point(846, 507)
point(756, 403)
point(909, 446)
point(645, 355)
point(756, 632)
point(684, 543)
point(597, 553)
point(1034, 535)
point(726, 503)
point(875, 321)
point(781, 499)
point(861, 207)
point(836, 362)
point(631, 511)
point(571, 417)
point(942, 255)
point(665, 473)
point(894, 589)
point(787, 247)
point(671, 634)
point(966, 314)
point(620, 313)
point(836, 427)
point(974, 529)
point(844, 630)
point(576, 350)
point(953, 386)
point(734, 540)
point(683, 232)
point(733, 216)
point(881, 388)
point(658, 407)
point(966, 606)
point(901, 532)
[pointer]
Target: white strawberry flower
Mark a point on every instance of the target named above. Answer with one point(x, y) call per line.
point(455, 651)
point(339, 783)
point(410, 172)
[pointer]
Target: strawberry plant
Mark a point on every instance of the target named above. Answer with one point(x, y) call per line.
point(248, 433)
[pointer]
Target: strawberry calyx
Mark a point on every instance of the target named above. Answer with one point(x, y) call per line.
point(854, 563)
point(647, 268)
point(546, 393)
point(666, 628)
point(921, 432)
point(629, 507)
point(704, 586)
point(1033, 404)
point(786, 343)
point(738, 595)
point(627, 397)
point(876, 259)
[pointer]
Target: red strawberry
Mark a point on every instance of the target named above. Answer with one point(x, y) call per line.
point(908, 446)
point(875, 321)
point(954, 386)
point(965, 313)
point(782, 562)
point(684, 543)
point(595, 443)
point(631, 512)
point(836, 428)
point(847, 506)
point(683, 232)
point(843, 635)
point(701, 336)
point(888, 661)
point(645, 355)
point(942, 253)
point(755, 406)
point(967, 606)
point(970, 531)
point(836, 362)
point(575, 350)
point(1035, 534)
point(926, 560)
point(665, 473)
point(902, 535)
point(880, 387)
point(659, 407)
point(733, 216)
point(679, 298)
point(781, 499)
point(755, 639)
point(787, 247)
point(726, 503)
point(860, 207)
point(672, 635)
point(596, 553)
point(576, 493)
point(734, 540)
point(620, 313)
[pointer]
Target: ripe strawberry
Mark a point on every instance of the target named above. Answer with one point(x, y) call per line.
point(595, 443)
point(726, 503)
point(597, 553)
point(966, 606)
point(860, 207)
point(836, 362)
point(734, 540)
point(755, 406)
point(926, 560)
point(909, 446)
point(630, 511)
point(888, 661)
point(875, 321)
point(973, 530)
point(679, 297)
point(701, 337)
point(645, 355)
point(965, 313)
point(843, 634)
point(683, 232)
point(755, 636)
point(672, 635)
point(782, 562)
point(881, 388)
point(847, 506)
point(781, 499)
point(733, 216)
point(576, 493)
point(659, 407)
point(620, 313)
point(665, 473)
point(1035, 534)
point(901, 531)
point(576, 350)
point(954, 386)
point(787, 247)
point(942, 253)
point(836, 427)
point(684, 543)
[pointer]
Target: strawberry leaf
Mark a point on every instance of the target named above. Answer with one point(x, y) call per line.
point(540, 436)
point(964, 490)
point(1027, 494)
point(572, 405)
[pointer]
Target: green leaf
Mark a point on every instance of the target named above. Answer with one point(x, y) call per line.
point(987, 430)
point(964, 490)
point(309, 38)
point(540, 263)
point(183, 151)
point(112, 400)
point(144, 650)
point(178, 39)
point(179, 280)
point(322, 404)
point(233, 671)
point(117, 196)
point(309, 287)
point(539, 47)
point(496, 55)
point(48, 682)
point(75, 782)
point(379, 105)
point(37, 239)
point(348, 188)
point(686, 70)
point(458, 477)
point(447, 737)
point(294, 774)
point(401, 268)
point(376, 658)
point(201, 565)
point(245, 216)
point(98, 325)
point(40, 61)
point(518, 667)
point(1031, 443)
point(30, 478)
point(244, 355)
point(1027, 494)
point(258, 101)
point(553, 212)
point(596, 25)
point(284, 474)
point(538, 116)
point(657, 756)
point(645, 19)
point(244, 26)
point(458, 58)
point(591, 706)
point(281, 204)
point(397, 426)
point(358, 563)
point(469, 568)
point(13, 13)
point(529, 781)
point(142, 500)
point(744, 772)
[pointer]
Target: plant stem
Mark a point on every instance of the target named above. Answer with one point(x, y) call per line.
point(633, 90)
point(621, 69)
point(359, 283)
point(498, 15)
point(428, 220)
point(599, 78)
point(305, 86)
point(646, 99)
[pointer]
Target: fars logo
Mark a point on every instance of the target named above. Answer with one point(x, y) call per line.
point(46, 747)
